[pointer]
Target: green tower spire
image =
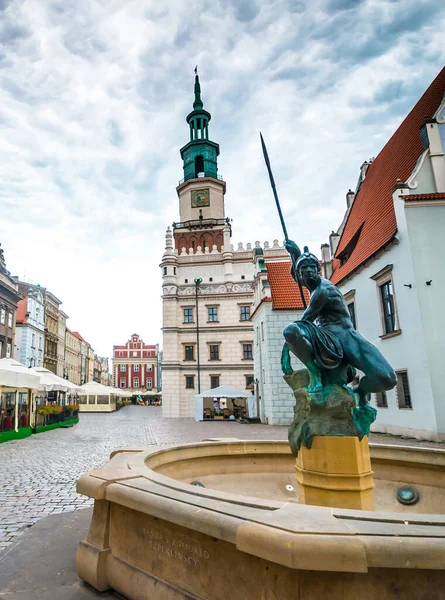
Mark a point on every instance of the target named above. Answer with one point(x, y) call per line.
point(197, 104)
point(200, 154)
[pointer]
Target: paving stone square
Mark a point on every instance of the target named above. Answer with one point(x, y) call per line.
point(38, 474)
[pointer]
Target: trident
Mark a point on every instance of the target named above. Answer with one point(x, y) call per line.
point(280, 214)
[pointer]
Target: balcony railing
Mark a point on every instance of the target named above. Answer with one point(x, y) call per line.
point(220, 177)
point(201, 224)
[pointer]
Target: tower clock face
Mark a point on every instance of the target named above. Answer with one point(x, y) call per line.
point(200, 198)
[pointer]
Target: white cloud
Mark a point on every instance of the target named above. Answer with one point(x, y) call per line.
point(93, 99)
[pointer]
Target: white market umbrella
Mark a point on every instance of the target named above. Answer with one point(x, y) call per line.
point(14, 374)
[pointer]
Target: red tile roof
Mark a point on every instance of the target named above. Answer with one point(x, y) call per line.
point(79, 337)
point(373, 208)
point(260, 303)
point(22, 309)
point(284, 290)
point(422, 197)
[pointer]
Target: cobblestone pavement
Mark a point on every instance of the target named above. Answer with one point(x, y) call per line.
point(38, 474)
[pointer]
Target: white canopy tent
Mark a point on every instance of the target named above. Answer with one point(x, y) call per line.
point(99, 397)
point(224, 391)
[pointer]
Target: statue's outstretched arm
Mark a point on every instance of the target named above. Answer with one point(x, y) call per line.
point(293, 249)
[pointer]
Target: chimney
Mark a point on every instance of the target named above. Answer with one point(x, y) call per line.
point(334, 238)
point(363, 170)
point(349, 198)
point(325, 253)
point(326, 263)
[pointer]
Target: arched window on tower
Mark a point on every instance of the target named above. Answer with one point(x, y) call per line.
point(199, 165)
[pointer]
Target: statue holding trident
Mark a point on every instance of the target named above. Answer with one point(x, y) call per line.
point(325, 341)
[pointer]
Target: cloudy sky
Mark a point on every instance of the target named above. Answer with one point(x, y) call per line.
point(93, 99)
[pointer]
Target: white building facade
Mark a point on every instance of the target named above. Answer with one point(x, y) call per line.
point(389, 266)
point(277, 302)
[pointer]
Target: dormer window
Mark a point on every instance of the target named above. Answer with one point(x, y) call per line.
point(345, 254)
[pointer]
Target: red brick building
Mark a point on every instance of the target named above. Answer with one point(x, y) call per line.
point(135, 365)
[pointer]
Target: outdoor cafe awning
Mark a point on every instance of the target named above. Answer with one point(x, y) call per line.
point(49, 382)
point(15, 375)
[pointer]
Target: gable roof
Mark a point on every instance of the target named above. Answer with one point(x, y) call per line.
point(371, 223)
point(22, 308)
point(284, 291)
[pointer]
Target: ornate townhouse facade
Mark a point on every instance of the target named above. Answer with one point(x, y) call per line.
point(52, 304)
point(30, 329)
point(61, 344)
point(72, 358)
point(207, 285)
point(135, 365)
point(9, 296)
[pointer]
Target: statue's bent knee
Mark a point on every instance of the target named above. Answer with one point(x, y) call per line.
point(387, 380)
point(291, 332)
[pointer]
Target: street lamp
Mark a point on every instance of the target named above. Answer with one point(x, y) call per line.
point(198, 282)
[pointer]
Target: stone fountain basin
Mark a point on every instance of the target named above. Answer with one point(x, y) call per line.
point(154, 535)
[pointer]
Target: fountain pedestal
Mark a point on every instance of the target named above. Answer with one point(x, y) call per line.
point(336, 471)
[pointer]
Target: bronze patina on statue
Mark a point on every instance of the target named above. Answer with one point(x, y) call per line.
point(325, 341)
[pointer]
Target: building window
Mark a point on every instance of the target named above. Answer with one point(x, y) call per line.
point(10, 319)
point(262, 330)
point(387, 303)
point(189, 352)
point(264, 377)
point(403, 393)
point(136, 368)
point(148, 384)
point(214, 381)
point(212, 314)
point(123, 368)
point(249, 382)
point(210, 279)
point(188, 315)
point(33, 340)
point(135, 353)
point(186, 280)
point(258, 335)
point(8, 350)
point(245, 313)
point(381, 399)
point(189, 382)
point(2, 316)
point(122, 383)
point(136, 382)
point(351, 308)
point(388, 308)
point(37, 314)
point(165, 270)
point(149, 368)
point(214, 352)
point(247, 352)
point(174, 270)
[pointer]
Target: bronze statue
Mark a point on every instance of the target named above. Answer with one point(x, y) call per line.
point(326, 342)
point(333, 342)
